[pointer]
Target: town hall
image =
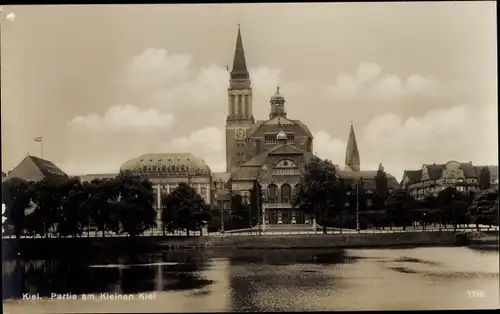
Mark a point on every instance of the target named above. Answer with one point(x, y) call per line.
point(274, 151)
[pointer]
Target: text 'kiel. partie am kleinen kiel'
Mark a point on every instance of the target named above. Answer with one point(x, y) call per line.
point(105, 296)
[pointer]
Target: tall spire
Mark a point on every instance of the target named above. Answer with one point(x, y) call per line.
point(352, 153)
point(240, 70)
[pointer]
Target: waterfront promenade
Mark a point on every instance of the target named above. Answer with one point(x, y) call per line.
point(272, 232)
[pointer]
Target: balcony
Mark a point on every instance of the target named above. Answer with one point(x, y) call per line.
point(276, 205)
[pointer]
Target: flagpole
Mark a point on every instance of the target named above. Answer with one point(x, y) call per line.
point(40, 140)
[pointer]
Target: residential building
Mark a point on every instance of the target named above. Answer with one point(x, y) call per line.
point(433, 178)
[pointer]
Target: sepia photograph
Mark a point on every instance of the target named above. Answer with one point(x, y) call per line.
point(249, 157)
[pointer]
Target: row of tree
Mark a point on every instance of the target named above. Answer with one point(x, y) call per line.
point(124, 205)
point(334, 202)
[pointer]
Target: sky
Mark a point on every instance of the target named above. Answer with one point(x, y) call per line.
point(104, 84)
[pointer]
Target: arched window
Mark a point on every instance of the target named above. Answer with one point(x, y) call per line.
point(272, 193)
point(286, 193)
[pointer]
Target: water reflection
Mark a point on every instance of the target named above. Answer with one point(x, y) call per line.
point(125, 274)
point(294, 280)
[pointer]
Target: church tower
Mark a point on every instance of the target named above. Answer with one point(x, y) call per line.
point(240, 114)
point(352, 161)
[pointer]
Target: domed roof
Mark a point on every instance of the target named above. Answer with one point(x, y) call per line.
point(175, 165)
point(277, 97)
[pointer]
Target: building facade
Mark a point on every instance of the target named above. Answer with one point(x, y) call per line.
point(246, 138)
point(275, 151)
point(432, 179)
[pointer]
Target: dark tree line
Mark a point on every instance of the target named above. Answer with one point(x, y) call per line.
point(123, 205)
point(323, 194)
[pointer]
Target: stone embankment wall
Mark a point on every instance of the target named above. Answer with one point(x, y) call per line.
point(333, 241)
point(103, 246)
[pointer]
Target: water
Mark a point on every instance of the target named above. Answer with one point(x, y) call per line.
point(295, 280)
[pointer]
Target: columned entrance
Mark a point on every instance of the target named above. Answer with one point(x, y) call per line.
point(283, 214)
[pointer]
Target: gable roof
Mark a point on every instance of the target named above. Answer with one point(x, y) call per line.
point(469, 170)
point(246, 173)
point(493, 170)
point(435, 171)
point(369, 183)
point(413, 175)
point(263, 126)
point(32, 168)
point(285, 149)
point(250, 170)
point(224, 176)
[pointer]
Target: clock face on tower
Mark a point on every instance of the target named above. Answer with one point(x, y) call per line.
point(239, 134)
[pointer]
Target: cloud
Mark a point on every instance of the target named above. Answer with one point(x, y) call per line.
point(206, 143)
point(463, 133)
point(155, 68)
point(172, 82)
point(369, 81)
point(325, 146)
point(124, 118)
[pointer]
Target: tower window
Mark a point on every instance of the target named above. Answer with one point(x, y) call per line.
point(270, 139)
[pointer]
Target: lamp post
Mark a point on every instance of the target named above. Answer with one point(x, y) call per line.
point(357, 206)
point(245, 201)
point(219, 186)
point(258, 205)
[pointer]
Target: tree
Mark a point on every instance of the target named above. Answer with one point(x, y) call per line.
point(133, 206)
point(484, 178)
point(484, 208)
point(399, 208)
point(453, 206)
point(73, 215)
point(102, 198)
point(239, 217)
point(256, 201)
point(381, 184)
point(48, 199)
point(184, 209)
point(320, 191)
point(16, 197)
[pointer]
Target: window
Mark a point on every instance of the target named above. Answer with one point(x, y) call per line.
point(203, 191)
point(257, 146)
point(272, 193)
point(286, 193)
point(270, 138)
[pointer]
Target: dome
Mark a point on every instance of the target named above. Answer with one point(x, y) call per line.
point(277, 97)
point(175, 165)
point(281, 136)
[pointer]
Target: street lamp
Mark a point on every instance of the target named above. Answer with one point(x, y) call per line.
point(258, 205)
point(357, 204)
point(245, 201)
point(219, 184)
